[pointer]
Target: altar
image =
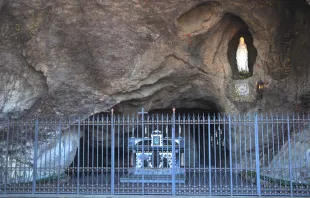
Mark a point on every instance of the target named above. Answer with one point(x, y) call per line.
point(152, 158)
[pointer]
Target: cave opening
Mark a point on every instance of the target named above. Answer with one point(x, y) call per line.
point(242, 31)
point(94, 153)
point(204, 142)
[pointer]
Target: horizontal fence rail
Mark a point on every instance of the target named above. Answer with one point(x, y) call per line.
point(157, 153)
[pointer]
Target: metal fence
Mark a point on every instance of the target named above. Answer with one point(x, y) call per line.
point(174, 153)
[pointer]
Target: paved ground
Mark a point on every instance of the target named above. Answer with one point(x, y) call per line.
point(127, 196)
point(195, 184)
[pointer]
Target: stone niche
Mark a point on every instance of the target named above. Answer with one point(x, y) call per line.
point(240, 29)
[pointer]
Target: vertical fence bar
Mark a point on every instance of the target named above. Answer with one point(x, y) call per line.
point(78, 161)
point(214, 153)
point(97, 154)
point(230, 157)
point(118, 125)
point(107, 146)
point(240, 146)
point(123, 155)
point(257, 156)
point(25, 178)
point(297, 137)
point(118, 149)
point(262, 139)
point(29, 132)
point(204, 149)
point(59, 159)
point(36, 132)
point(219, 138)
point(112, 152)
point(293, 146)
point(179, 149)
point(225, 145)
point(12, 161)
point(7, 157)
point(209, 153)
point(273, 142)
point(278, 139)
point(92, 153)
point(244, 120)
point(168, 123)
point(70, 123)
point(283, 144)
point(199, 148)
point(130, 155)
point(189, 146)
point(88, 155)
point(251, 155)
point(289, 154)
point(142, 120)
point(52, 154)
point(173, 152)
point(103, 173)
point(83, 153)
point(194, 151)
point(162, 129)
point(15, 129)
point(235, 148)
point(268, 143)
point(306, 123)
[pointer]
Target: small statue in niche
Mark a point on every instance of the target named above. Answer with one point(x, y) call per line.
point(242, 57)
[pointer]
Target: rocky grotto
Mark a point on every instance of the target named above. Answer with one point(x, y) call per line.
point(82, 58)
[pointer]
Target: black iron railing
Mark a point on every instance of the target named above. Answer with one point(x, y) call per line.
point(178, 154)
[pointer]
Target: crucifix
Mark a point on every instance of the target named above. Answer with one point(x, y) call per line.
point(142, 112)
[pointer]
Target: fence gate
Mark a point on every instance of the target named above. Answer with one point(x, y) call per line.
point(170, 154)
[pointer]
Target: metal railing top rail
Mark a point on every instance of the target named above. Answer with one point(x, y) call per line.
point(167, 118)
point(170, 112)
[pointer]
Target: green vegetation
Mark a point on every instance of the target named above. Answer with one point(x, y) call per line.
point(244, 75)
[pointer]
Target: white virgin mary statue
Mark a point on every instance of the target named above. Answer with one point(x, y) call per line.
point(242, 56)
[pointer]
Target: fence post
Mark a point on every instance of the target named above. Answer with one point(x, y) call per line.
point(209, 154)
point(173, 152)
point(142, 123)
point(7, 157)
point(112, 152)
point(59, 160)
point(78, 164)
point(289, 154)
point(230, 157)
point(142, 120)
point(257, 156)
point(36, 131)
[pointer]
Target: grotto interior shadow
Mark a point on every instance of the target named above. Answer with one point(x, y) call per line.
point(209, 142)
point(232, 49)
point(95, 154)
point(200, 148)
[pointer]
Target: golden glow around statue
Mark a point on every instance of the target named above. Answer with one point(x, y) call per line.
point(242, 56)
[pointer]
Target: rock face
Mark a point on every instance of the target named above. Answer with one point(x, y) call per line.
point(51, 155)
point(76, 57)
point(20, 84)
point(300, 156)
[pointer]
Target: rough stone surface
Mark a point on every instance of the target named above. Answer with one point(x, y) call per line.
point(86, 57)
point(53, 155)
point(300, 160)
point(75, 57)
